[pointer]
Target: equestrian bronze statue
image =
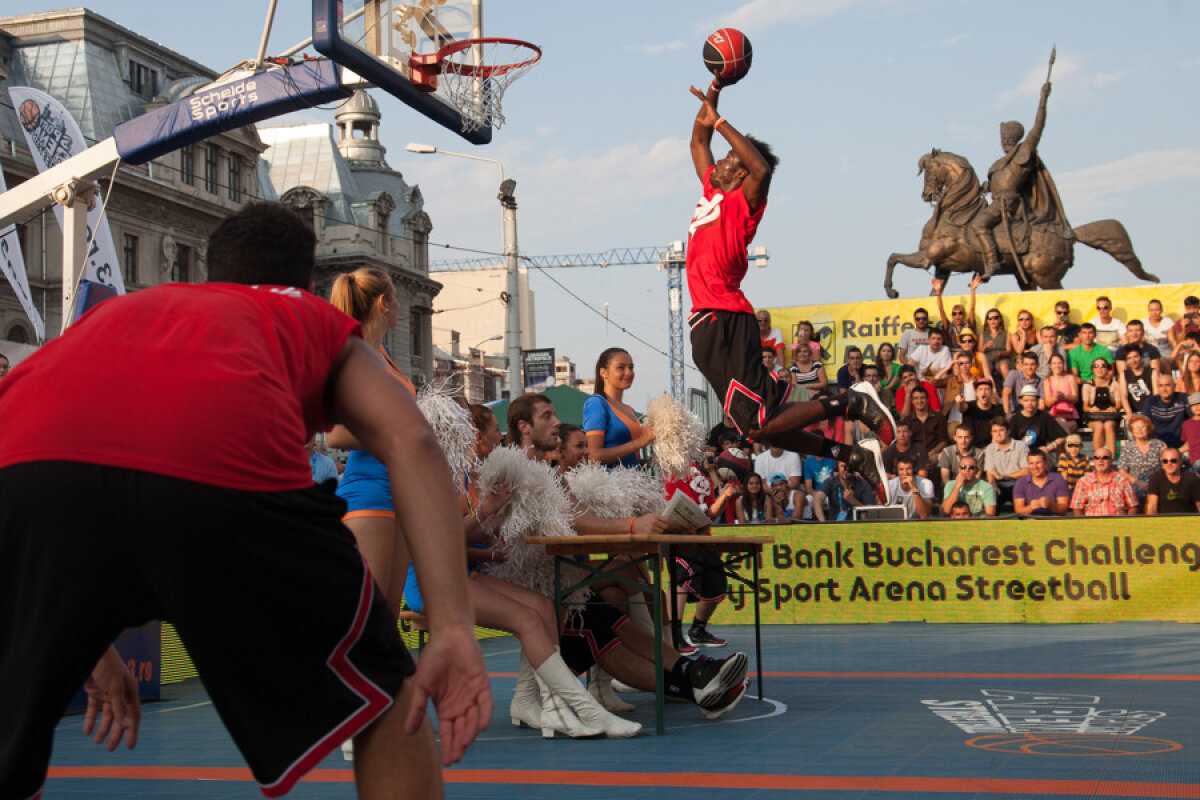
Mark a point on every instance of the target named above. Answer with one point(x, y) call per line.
point(1023, 232)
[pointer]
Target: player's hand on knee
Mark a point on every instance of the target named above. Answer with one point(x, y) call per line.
point(113, 701)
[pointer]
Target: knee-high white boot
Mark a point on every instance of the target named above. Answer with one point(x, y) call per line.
point(526, 706)
point(557, 717)
point(557, 676)
point(600, 687)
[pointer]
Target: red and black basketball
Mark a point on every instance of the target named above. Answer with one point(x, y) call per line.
point(727, 55)
point(29, 114)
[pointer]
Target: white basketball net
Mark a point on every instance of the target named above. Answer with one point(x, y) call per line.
point(473, 80)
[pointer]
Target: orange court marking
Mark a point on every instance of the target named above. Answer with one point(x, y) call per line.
point(1014, 675)
point(685, 780)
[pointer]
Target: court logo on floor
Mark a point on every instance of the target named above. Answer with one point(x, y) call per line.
point(1051, 724)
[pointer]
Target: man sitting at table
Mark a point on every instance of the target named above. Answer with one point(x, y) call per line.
point(600, 635)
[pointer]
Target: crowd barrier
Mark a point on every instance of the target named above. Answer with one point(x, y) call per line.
point(1009, 570)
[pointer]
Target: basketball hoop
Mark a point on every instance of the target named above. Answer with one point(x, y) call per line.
point(472, 74)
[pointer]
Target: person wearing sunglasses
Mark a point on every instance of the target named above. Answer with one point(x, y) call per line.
point(1066, 331)
point(1101, 404)
point(1173, 490)
point(914, 337)
point(969, 487)
point(1103, 492)
point(961, 318)
point(1109, 329)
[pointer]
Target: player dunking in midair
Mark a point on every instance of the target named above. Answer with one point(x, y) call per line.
point(725, 338)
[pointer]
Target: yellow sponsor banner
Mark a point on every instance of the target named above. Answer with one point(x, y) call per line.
point(869, 323)
point(1029, 570)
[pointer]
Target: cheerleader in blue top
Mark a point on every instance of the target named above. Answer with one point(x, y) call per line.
point(614, 435)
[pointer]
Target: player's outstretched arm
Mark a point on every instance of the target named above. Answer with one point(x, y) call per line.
point(113, 700)
point(385, 418)
point(702, 129)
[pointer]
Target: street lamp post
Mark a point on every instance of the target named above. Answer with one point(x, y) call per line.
point(508, 208)
point(483, 364)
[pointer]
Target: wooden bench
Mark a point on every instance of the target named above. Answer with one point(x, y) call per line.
point(415, 621)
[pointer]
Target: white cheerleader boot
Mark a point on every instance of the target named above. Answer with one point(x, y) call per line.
point(600, 687)
point(557, 717)
point(557, 677)
point(526, 706)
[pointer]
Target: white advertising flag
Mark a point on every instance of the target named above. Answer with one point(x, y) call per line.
point(53, 136)
point(12, 261)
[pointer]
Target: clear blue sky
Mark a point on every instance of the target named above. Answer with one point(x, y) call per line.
point(849, 92)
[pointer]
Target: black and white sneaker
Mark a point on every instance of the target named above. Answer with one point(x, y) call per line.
point(867, 460)
point(727, 701)
point(711, 679)
point(866, 406)
point(700, 637)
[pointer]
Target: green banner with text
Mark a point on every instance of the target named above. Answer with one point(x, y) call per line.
point(1018, 570)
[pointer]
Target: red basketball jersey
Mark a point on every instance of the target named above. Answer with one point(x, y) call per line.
point(721, 230)
point(215, 383)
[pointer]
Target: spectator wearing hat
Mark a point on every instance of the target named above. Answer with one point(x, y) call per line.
point(1172, 489)
point(1041, 493)
point(978, 415)
point(1140, 455)
point(1018, 379)
point(1080, 359)
point(1190, 431)
point(1032, 425)
point(1073, 464)
point(789, 501)
point(910, 490)
point(968, 345)
point(1103, 492)
point(1167, 410)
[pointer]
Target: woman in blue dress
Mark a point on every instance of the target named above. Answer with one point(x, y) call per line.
point(614, 435)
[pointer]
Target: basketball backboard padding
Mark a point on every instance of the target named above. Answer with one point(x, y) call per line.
point(227, 105)
point(376, 62)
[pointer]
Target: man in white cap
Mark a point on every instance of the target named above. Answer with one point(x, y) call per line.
point(1034, 426)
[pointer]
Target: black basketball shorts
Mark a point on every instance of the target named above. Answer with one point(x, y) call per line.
point(727, 348)
point(296, 646)
point(590, 634)
point(701, 574)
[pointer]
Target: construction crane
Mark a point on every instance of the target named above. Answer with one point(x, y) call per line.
point(669, 258)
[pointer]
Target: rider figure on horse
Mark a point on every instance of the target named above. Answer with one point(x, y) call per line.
point(1012, 181)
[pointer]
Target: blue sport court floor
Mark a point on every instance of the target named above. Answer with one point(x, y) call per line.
point(861, 711)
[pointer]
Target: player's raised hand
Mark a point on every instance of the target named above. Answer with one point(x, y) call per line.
point(707, 115)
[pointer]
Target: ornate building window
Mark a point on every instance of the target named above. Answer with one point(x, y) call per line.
point(309, 204)
point(212, 158)
point(129, 258)
point(235, 177)
point(142, 80)
point(187, 164)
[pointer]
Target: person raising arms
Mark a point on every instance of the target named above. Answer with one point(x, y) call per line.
point(724, 332)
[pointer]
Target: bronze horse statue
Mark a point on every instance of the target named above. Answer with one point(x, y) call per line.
point(1037, 249)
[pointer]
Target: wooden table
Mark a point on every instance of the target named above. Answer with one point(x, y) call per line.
point(652, 549)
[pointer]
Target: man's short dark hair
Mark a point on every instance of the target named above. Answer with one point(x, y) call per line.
point(853, 349)
point(1191, 300)
point(904, 458)
point(1087, 326)
point(907, 368)
point(765, 151)
point(1029, 354)
point(1133, 348)
point(262, 243)
point(522, 410)
point(960, 504)
point(1137, 322)
point(916, 390)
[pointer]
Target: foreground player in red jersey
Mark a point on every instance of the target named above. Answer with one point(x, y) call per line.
point(199, 509)
point(725, 335)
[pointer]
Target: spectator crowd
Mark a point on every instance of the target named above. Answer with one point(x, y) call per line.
point(1099, 417)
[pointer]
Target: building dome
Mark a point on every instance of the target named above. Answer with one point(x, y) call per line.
point(357, 121)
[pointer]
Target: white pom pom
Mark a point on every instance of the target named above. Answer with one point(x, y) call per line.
point(539, 507)
point(616, 493)
point(678, 434)
point(451, 425)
